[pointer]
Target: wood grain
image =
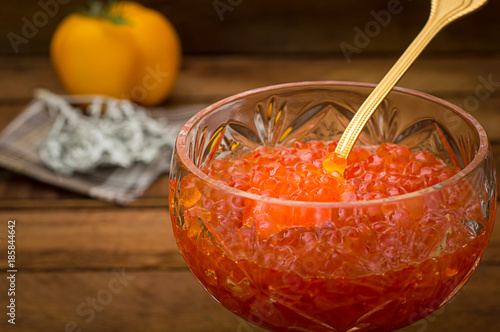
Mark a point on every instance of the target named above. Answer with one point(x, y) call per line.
point(173, 301)
point(68, 245)
point(145, 301)
point(53, 239)
point(207, 79)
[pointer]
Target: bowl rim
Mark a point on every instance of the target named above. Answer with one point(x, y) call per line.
point(181, 150)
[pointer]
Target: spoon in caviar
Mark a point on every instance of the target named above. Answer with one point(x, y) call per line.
point(442, 13)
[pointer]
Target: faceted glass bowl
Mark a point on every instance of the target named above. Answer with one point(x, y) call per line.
point(373, 265)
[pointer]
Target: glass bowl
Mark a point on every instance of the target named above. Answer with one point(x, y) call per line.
point(358, 266)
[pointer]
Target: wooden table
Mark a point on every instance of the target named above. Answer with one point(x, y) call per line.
point(72, 249)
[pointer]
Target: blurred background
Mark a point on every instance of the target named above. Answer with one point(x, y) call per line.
point(71, 247)
point(280, 28)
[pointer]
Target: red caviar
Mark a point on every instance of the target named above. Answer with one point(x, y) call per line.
point(360, 267)
point(298, 173)
point(334, 162)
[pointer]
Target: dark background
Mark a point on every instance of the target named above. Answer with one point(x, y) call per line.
point(69, 244)
point(280, 27)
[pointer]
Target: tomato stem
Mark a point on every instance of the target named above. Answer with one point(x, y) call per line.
point(99, 9)
point(96, 8)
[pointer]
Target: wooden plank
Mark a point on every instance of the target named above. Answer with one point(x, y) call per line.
point(280, 26)
point(61, 239)
point(173, 301)
point(207, 79)
point(21, 75)
point(146, 301)
point(19, 191)
point(53, 239)
point(447, 77)
point(81, 202)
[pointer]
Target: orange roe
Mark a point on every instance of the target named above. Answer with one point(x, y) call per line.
point(363, 267)
point(334, 162)
point(297, 173)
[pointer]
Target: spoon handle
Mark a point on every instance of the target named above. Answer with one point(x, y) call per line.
point(443, 12)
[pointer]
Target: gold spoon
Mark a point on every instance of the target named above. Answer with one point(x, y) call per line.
point(442, 13)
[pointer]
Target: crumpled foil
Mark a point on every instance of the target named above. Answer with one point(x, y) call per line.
point(108, 132)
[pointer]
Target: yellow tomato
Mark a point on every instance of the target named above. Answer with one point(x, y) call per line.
point(126, 51)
